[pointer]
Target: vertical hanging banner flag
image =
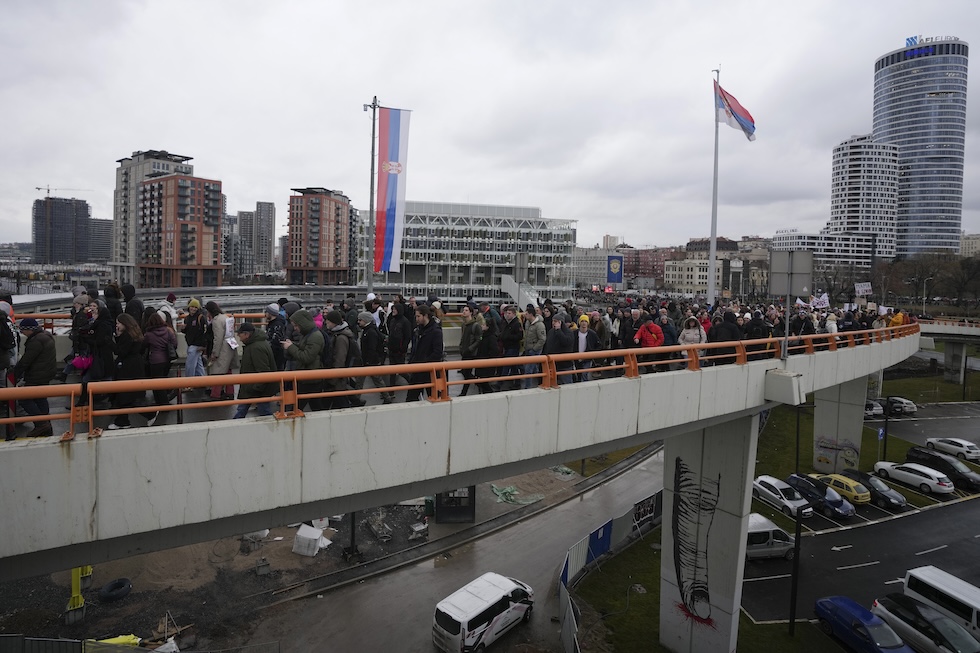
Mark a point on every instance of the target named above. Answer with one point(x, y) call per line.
point(389, 219)
point(732, 113)
point(614, 270)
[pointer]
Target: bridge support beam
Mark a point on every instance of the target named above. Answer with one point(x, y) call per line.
point(707, 497)
point(954, 357)
point(838, 422)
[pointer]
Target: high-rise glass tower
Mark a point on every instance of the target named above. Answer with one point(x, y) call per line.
point(920, 106)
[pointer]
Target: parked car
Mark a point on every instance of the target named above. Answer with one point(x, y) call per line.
point(764, 539)
point(853, 491)
point(780, 495)
point(922, 627)
point(873, 409)
point(916, 475)
point(857, 626)
point(824, 499)
point(881, 494)
point(962, 476)
point(898, 405)
point(962, 449)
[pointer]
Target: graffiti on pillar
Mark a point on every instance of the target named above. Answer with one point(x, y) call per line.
point(831, 455)
point(695, 500)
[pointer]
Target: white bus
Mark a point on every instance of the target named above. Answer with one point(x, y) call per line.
point(474, 616)
point(952, 596)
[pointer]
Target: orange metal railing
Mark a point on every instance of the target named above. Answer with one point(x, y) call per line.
point(432, 378)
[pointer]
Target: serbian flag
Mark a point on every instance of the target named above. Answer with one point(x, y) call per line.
point(732, 113)
point(389, 218)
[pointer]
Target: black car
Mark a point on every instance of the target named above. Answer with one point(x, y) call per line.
point(823, 499)
point(882, 495)
point(962, 476)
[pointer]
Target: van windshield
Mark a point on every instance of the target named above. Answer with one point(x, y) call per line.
point(446, 622)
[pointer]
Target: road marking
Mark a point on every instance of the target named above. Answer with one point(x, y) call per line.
point(841, 548)
point(748, 580)
point(938, 548)
point(863, 564)
point(892, 582)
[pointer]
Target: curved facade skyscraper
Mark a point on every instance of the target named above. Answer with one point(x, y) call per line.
point(920, 106)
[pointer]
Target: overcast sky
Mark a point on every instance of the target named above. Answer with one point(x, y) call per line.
point(597, 112)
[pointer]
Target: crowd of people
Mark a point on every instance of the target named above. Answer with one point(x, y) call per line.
point(115, 337)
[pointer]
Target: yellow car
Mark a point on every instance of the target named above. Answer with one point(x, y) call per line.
point(848, 488)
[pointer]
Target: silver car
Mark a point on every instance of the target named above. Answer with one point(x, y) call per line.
point(780, 495)
point(923, 628)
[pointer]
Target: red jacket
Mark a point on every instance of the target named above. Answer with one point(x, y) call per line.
point(649, 335)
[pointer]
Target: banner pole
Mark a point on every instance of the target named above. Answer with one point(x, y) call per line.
point(713, 243)
point(369, 263)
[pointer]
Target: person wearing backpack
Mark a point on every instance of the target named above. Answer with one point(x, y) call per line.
point(373, 350)
point(341, 347)
point(304, 354)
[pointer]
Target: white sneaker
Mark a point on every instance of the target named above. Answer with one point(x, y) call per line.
point(113, 426)
point(153, 420)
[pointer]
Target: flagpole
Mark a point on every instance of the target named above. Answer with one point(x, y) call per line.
point(713, 243)
point(369, 268)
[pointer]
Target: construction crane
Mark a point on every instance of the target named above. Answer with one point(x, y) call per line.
point(48, 189)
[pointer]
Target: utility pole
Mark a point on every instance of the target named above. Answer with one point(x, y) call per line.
point(369, 268)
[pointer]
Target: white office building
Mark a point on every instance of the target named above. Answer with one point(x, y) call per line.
point(458, 250)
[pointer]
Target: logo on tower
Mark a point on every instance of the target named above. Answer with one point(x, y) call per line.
point(919, 39)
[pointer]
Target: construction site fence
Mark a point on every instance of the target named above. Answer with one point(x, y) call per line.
point(297, 387)
point(586, 553)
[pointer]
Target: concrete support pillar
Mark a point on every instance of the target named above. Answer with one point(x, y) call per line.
point(838, 421)
point(953, 356)
point(707, 494)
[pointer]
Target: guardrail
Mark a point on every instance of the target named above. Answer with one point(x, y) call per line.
point(432, 378)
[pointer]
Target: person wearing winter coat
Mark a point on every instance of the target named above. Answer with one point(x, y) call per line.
point(535, 335)
point(134, 305)
point(195, 335)
point(224, 350)
point(692, 334)
point(586, 340)
point(275, 333)
point(37, 366)
point(168, 308)
point(130, 364)
point(560, 341)
point(257, 357)
point(725, 331)
point(98, 337)
point(511, 335)
point(757, 329)
point(160, 340)
point(304, 354)
point(342, 338)
point(399, 337)
point(428, 347)
point(113, 299)
point(648, 334)
point(471, 333)
point(373, 352)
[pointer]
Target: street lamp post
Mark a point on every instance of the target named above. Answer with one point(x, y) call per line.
point(924, 294)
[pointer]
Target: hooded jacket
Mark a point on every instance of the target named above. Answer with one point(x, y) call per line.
point(305, 352)
point(134, 305)
point(257, 357)
point(535, 335)
point(692, 333)
point(112, 301)
point(157, 340)
point(399, 333)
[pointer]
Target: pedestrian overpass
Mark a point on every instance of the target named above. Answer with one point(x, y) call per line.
point(90, 497)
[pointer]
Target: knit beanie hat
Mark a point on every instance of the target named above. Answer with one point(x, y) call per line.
point(194, 303)
point(272, 309)
point(29, 324)
point(334, 317)
point(364, 316)
point(171, 297)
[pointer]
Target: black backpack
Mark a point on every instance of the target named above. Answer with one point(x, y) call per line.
point(7, 338)
point(354, 358)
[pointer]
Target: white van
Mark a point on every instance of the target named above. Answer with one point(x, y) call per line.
point(475, 616)
point(952, 596)
point(766, 540)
